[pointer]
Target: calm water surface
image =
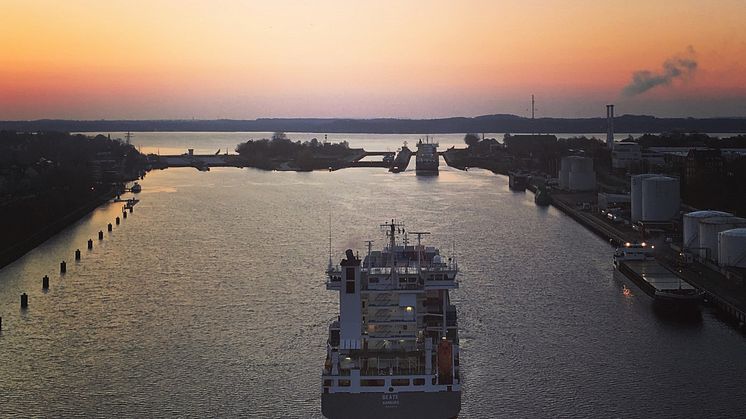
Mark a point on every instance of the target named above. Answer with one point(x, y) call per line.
point(209, 301)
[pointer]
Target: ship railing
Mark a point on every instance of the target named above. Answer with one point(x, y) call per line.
point(390, 319)
point(388, 270)
point(378, 372)
point(392, 336)
point(372, 383)
point(442, 267)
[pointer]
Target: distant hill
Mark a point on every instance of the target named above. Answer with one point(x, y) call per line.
point(485, 123)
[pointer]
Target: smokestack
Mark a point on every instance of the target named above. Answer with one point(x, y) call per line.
point(610, 126)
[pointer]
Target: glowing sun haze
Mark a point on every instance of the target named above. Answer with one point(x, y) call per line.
point(162, 59)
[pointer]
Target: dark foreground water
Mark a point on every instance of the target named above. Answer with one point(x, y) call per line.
point(208, 301)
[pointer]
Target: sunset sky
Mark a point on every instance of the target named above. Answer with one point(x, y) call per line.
point(177, 59)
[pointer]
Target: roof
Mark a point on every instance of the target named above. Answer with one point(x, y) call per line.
point(735, 232)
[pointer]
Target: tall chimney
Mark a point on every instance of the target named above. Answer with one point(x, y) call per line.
point(610, 126)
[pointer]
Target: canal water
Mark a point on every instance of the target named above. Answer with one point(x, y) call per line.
point(209, 301)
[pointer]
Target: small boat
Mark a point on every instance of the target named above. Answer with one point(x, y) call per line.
point(136, 188)
point(517, 181)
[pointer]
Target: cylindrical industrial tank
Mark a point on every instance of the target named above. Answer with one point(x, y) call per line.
point(660, 198)
point(582, 181)
point(708, 234)
point(581, 164)
point(691, 225)
point(636, 195)
point(582, 177)
point(732, 248)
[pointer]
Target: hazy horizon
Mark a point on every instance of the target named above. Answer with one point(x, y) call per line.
point(364, 60)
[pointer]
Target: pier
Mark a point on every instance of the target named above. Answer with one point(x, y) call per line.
point(727, 294)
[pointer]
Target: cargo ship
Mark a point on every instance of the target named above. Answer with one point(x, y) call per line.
point(401, 161)
point(636, 262)
point(427, 157)
point(393, 351)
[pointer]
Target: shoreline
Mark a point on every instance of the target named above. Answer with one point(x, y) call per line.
point(17, 251)
point(718, 290)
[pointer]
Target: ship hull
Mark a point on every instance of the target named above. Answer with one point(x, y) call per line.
point(430, 405)
point(427, 169)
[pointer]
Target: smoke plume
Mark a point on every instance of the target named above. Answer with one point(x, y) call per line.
point(681, 66)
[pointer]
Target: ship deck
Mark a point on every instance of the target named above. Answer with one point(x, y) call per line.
point(653, 276)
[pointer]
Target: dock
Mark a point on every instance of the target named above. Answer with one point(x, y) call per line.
point(566, 203)
point(727, 294)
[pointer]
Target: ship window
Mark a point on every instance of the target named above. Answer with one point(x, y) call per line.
point(344, 383)
point(372, 383)
point(328, 383)
point(418, 381)
point(400, 382)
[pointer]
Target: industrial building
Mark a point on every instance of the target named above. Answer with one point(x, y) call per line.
point(625, 155)
point(577, 174)
point(607, 200)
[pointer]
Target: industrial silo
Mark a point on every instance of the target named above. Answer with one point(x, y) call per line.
point(708, 234)
point(582, 177)
point(636, 195)
point(660, 198)
point(691, 225)
point(732, 248)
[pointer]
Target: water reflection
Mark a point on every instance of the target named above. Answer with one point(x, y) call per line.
point(209, 301)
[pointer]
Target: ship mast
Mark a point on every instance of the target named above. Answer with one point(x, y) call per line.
point(419, 245)
point(390, 229)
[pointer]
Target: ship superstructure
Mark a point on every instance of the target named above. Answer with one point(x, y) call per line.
point(427, 157)
point(394, 350)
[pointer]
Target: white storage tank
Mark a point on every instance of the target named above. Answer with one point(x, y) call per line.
point(581, 164)
point(691, 225)
point(708, 234)
point(732, 248)
point(636, 195)
point(660, 198)
point(582, 177)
